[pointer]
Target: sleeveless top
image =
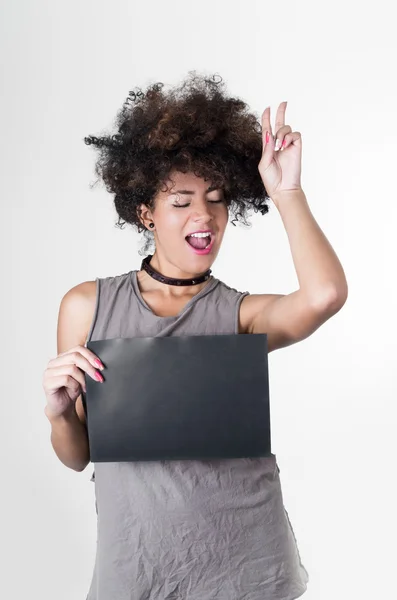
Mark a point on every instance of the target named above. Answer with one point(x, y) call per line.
point(187, 530)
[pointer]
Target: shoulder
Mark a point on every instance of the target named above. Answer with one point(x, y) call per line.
point(77, 306)
point(230, 298)
point(112, 284)
point(82, 298)
point(84, 295)
point(228, 291)
point(81, 295)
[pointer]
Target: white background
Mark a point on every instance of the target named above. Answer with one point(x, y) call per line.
point(67, 68)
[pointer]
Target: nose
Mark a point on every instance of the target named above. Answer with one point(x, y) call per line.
point(203, 213)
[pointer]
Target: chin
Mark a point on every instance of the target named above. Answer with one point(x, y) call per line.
point(200, 262)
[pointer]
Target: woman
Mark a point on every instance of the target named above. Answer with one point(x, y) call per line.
point(179, 165)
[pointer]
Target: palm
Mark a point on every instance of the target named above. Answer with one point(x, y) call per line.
point(62, 398)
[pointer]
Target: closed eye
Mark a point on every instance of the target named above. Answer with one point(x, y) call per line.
point(210, 202)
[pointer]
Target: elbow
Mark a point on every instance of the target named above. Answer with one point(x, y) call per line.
point(80, 467)
point(339, 296)
point(331, 300)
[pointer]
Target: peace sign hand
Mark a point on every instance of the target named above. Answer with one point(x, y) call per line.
point(280, 164)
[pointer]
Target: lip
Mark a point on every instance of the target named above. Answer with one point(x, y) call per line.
point(205, 250)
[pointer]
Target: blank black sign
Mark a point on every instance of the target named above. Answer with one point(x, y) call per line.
point(183, 398)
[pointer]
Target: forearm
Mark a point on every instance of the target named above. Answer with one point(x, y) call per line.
point(69, 439)
point(319, 271)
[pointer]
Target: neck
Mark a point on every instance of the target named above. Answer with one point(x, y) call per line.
point(168, 292)
point(167, 269)
point(155, 277)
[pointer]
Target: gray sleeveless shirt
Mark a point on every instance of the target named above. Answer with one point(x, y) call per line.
point(188, 530)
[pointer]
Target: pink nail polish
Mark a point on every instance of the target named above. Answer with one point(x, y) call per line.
point(267, 137)
point(284, 143)
point(98, 363)
point(98, 376)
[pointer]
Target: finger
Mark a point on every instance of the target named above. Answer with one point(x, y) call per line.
point(268, 150)
point(55, 383)
point(266, 126)
point(72, 371)
point(54, 379)
point(90, 356)
point(74, 358)
point(280, 136)
point(292, 138)
point(280, 116)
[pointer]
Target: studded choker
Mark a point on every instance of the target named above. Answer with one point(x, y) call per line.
point(171, 280)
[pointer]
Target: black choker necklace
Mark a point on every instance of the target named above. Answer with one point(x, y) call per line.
point(171, 280)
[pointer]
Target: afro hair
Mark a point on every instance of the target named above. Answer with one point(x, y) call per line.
point(195, 127)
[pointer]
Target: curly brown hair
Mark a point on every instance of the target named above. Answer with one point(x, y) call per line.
point(195, 128)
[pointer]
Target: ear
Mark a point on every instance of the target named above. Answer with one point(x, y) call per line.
point(145, 215)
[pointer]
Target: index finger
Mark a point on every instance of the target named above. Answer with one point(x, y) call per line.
point(266, 126)
point(88, 354)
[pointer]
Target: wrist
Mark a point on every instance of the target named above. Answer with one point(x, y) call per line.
point(66, 416)
point(287, 195)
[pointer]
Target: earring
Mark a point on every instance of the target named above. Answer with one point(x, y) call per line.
point(151, 225)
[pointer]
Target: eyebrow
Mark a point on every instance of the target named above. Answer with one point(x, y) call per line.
point(210, 189)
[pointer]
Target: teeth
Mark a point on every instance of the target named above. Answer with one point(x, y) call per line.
point(200, 235)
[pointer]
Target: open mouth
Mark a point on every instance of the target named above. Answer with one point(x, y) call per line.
point(199, 241)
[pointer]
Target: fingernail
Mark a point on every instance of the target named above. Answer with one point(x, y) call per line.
point(267, 137)
point(98, 376)
point(98, 364)
point(277, 146)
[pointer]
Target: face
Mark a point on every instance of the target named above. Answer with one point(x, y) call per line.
point(190, 206)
